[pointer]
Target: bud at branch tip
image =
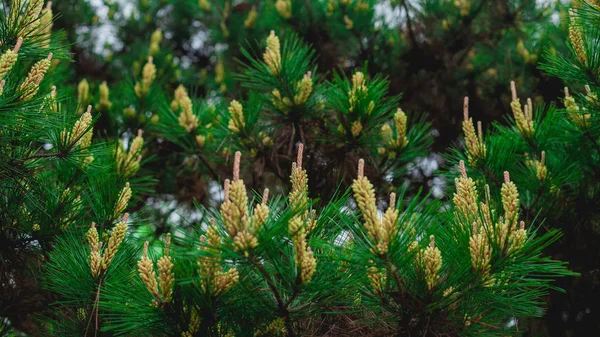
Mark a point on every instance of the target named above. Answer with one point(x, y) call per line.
point(236, 165)
point(513, 90)
point(18, 45)
point(361, 168)
point(300, 151)
point(462, 169)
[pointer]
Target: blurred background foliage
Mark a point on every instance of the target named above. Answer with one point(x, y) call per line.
point(432, 53)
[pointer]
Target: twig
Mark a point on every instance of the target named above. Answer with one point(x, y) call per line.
point(537, 197)
point(94, 309)
point(282, 306)
point(43, 155)
point(296, 292)
point(409, 25)
point(592, 140)
point(210, 169)
point(397, 278)
point(267, 278)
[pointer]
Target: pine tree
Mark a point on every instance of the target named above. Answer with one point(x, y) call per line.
point(440, 49)
point(278, 267)
point(294, 104)
point(94, 163)
point(54, 175)
point(554, 154)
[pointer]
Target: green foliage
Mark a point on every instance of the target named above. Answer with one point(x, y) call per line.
point(225, 286)
point(556, 165)
point(68, 275)
point(53, 178)
point(165, 118)
point(444, 50)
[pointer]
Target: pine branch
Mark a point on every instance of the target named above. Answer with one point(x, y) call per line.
point(212, 171)
point(45, 155)
point(272, 286)
point(592, 140)
point(409, 25)
point(94, 313)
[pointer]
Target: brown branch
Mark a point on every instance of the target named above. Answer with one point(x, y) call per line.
point(272, 286)
point(94, 310)
point(43, 155)
point(210, 169)
point(592, 140)
point(295, 292)
point(397, 278)
point(409, 25)
point(282, 306)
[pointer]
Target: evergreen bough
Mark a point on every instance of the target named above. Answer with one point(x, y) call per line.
point(257, 266)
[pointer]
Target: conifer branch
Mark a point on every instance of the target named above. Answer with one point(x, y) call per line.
point(45, 155)
point(283, 311)
point(409, 24)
